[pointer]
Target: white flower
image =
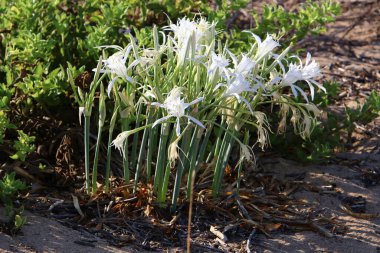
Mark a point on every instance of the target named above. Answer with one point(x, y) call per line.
point(264, 47)
point(176, 107)
point(149, 56)
point(246, 153)
point(311, 70)
point(218, 63)
point(302, 73)
point(262, 128)
point(235, 87)
point(244, 67)
point(202, 31)
point(115, 64)
point(120, 140)
point(183, 29)
point(293, 75)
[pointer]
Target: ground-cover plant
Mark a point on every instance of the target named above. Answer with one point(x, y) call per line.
point(69, 31)
point(190, 100)
point(23, 146)
point(9, 188)
point(34, 47)
point(363, 113)
point(333, 133)
point(309, 17)
point(325, 138)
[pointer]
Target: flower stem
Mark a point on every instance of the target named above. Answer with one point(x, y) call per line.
point(193, 155)
point(142, 149)
point(87, 119)
point(161, 157)
point(124, 127)
point(180, 168)
point(96, 158)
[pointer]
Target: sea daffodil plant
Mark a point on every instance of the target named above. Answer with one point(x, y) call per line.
point(230, 97)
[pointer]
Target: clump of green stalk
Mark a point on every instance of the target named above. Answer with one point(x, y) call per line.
point(102, 118)
point(85, 101)
point(195, 99)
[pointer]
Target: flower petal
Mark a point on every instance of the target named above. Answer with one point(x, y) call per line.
point(158, 104)
point(219, 85)
point(233, 57)
point(318, 85)
point(161, 120)
point(311, 89)
point(248, 104)
point(110, 85)
point(194, 101)
point(195, 121)
point(178, 128)
point(302, 92)
point(257, 38)
point(81, 112)
point(127, 51)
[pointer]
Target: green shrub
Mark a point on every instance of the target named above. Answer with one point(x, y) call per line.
point(9, 187)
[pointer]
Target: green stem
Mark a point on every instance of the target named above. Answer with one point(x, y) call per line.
point(152, 144)
point(96, 158)
point(221, 163)
point(193, 155)
point(164, 189)
point(87, 151)
point(202, 150)
point(245, 142)
point(135, 139)
point(142, 149)
point(109, 148)
point(161, 157)
point(180, 168)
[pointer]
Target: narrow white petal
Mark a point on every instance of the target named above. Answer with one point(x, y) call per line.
point(295, 93)
point(134, 63)
point(127, 51)
point(101, 71)
point(195, 101)
point(195, 121)
point(257, 38)
point(129, 79)
point(178, 128)
point(318, 85)
point(81, 112)
point(302, 92)
point(238, 97)
point(110, 85)
point(110, 46)
point(164, 37)
point(233, 57)
point(308, 58)
point(311, 89)
point(248, 104)
point(161, 120)
point(219, 85)
point(158, 104)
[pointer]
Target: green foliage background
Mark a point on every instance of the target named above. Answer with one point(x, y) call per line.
point(40, 39)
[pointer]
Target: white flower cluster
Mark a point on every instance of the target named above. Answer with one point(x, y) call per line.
point(204, 72)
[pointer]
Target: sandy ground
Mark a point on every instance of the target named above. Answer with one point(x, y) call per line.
point(41, 234)
point(360, 235)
